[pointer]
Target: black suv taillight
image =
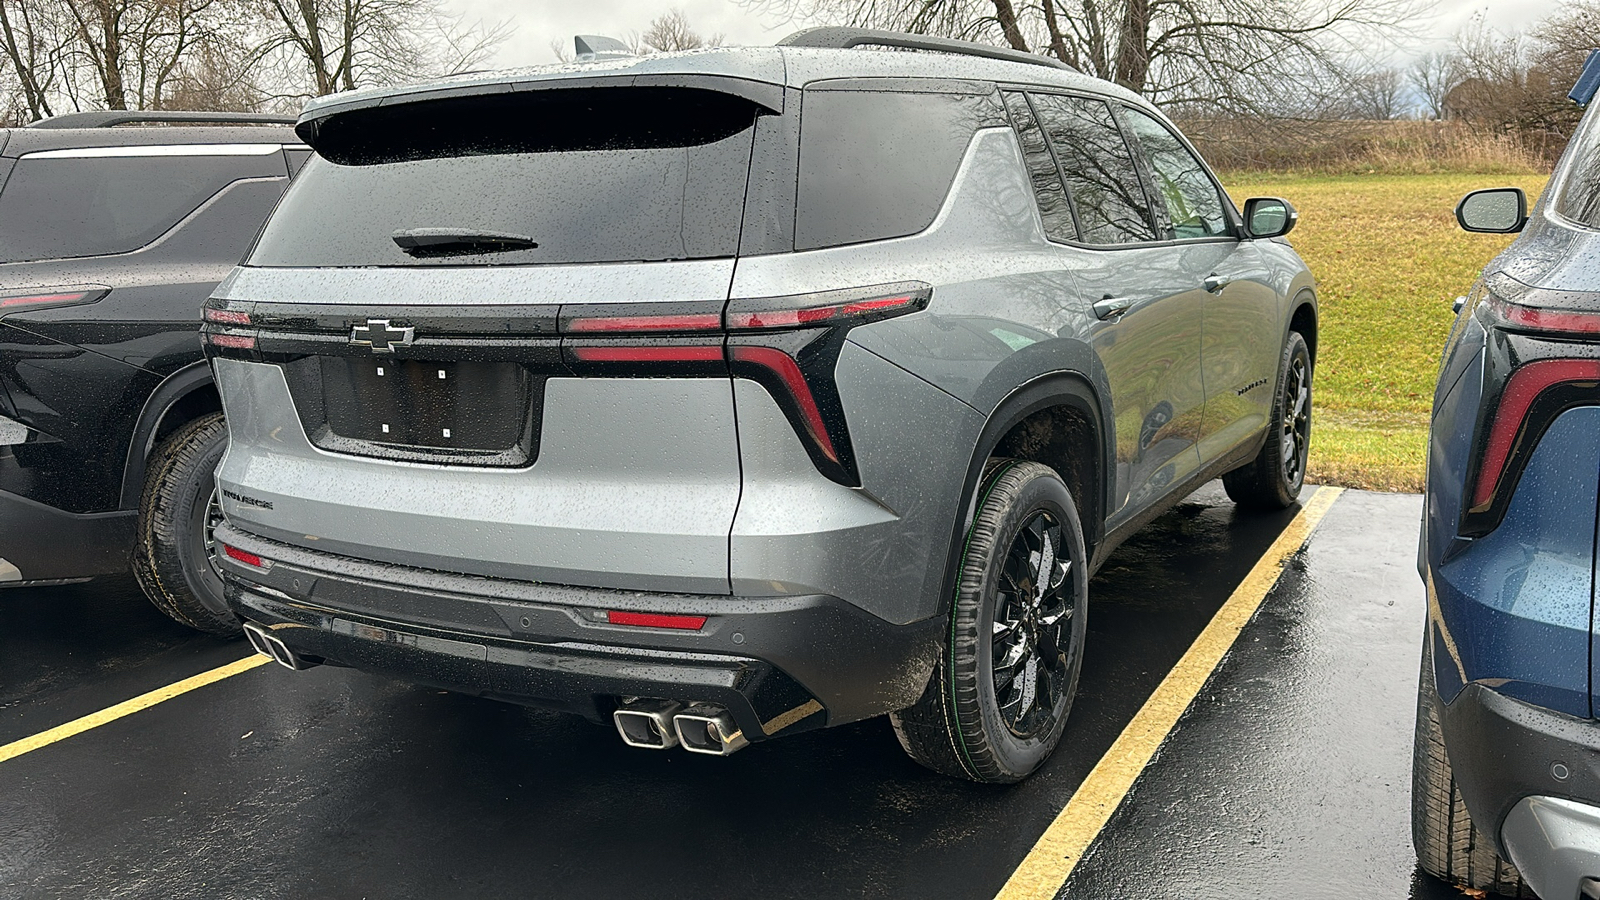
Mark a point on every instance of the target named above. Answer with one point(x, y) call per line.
point(50, 298)
point(788, 344)
point(1536, 392)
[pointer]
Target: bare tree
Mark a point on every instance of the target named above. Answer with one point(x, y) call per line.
point(1240, 55)
point(322, 46)
point(36, 37)
point(1376, 93)
point(671, 31)
point(1433, 75)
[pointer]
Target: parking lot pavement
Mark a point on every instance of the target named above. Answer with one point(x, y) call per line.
point(1288, 777)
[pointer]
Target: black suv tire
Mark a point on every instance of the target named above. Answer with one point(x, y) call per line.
point(1448, 845)
point(1025, 523)
point(171, 558)
point(1273, 479)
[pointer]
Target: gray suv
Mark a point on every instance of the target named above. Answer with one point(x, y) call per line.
point(732, 394)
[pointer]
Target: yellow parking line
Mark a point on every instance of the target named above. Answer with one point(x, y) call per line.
point(1058, 850)
point(128, 707)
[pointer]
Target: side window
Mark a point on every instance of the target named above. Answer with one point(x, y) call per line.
point(878, 164)
point(1099, 169)
point(1181, 182)
point(1580, 191)
point(1052, 197)
point(58, 207)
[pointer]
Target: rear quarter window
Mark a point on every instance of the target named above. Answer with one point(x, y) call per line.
point(60, 207)
point(1579, 199)
point(877, 164)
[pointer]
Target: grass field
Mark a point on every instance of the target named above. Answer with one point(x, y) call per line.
point(1389, 260)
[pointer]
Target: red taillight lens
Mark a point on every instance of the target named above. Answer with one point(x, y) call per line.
point(1522, 389)
point(244, 556)
point(784, 366)
point(227, 317)
point(16, 302)
point(667, 353)
point(655, 620)
point(613, 324)
point(828, 308)
point(232, 341)
point(1534, 318)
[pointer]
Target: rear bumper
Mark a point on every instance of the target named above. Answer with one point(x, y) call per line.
point(779, 664)
point(40, 544)
point(1531, 777)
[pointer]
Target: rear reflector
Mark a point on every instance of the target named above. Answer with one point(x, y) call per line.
point(649, 354)
point(42, 300)
point(244, 556)
point(654, 620)
point(1525, 386)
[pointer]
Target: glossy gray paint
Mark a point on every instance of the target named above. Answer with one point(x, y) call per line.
point(635, 488)
point(1553, 842)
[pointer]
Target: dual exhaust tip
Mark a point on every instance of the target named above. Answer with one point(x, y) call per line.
point(268, 645)
point(664, 724)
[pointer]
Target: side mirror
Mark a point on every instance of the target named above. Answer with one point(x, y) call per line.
point(1493, 211)
point(1269, 217)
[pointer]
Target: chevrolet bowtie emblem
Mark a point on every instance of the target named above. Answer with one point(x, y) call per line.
point(380, 337)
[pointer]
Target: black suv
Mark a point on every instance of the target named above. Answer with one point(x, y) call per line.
point(114, 228)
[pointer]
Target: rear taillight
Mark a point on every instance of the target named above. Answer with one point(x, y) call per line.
point(789, 344)
point(1517, 317)
point(232, 341)
point(227, 316)
point(1542, 382)
point(50, 298)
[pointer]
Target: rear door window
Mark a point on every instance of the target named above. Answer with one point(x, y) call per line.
point(590, 175)
point(60, 206)
point(1099, 169)
point(1182, 184)
point(878, 164)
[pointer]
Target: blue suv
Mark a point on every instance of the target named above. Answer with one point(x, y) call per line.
point(1506, 772)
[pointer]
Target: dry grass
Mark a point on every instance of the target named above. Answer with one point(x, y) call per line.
point(1389, 259)
point(1367, 148)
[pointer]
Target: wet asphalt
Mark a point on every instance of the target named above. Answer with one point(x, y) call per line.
point(1289, 777)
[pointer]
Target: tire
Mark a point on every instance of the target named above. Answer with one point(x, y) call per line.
point(171, 555)
point(1449, 846)
point(969, 723)
point(1273, 479)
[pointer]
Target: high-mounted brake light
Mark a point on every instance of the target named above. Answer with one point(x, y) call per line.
point(49, 299)
point(1510, 415)
point(1534, 318)
point(244, 556)
point(655, 620)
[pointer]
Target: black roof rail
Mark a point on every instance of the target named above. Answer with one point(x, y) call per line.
point(106, 118)
point(839, 37)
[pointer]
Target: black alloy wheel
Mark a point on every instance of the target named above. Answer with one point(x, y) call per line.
point(997, 701)
point(1032, 628)
point(1274, 478)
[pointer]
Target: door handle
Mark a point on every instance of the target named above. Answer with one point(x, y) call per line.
point(1111, 307)
point(1215, 283)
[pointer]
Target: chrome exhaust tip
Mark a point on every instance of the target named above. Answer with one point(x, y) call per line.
point(268, 645)
point(709, 729)
point(647, 724)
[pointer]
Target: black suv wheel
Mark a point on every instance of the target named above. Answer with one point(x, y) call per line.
point(177, 513)
point(1273, 479)
point(998, 700)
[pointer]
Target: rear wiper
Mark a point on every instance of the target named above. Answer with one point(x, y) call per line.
point(458, 241)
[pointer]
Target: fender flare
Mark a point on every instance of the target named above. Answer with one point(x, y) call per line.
point(180, 384)
point(1060, 388)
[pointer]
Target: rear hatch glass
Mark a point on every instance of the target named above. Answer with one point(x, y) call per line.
point(594, 174)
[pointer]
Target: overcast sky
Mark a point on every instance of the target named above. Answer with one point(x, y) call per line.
point(538, 22)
